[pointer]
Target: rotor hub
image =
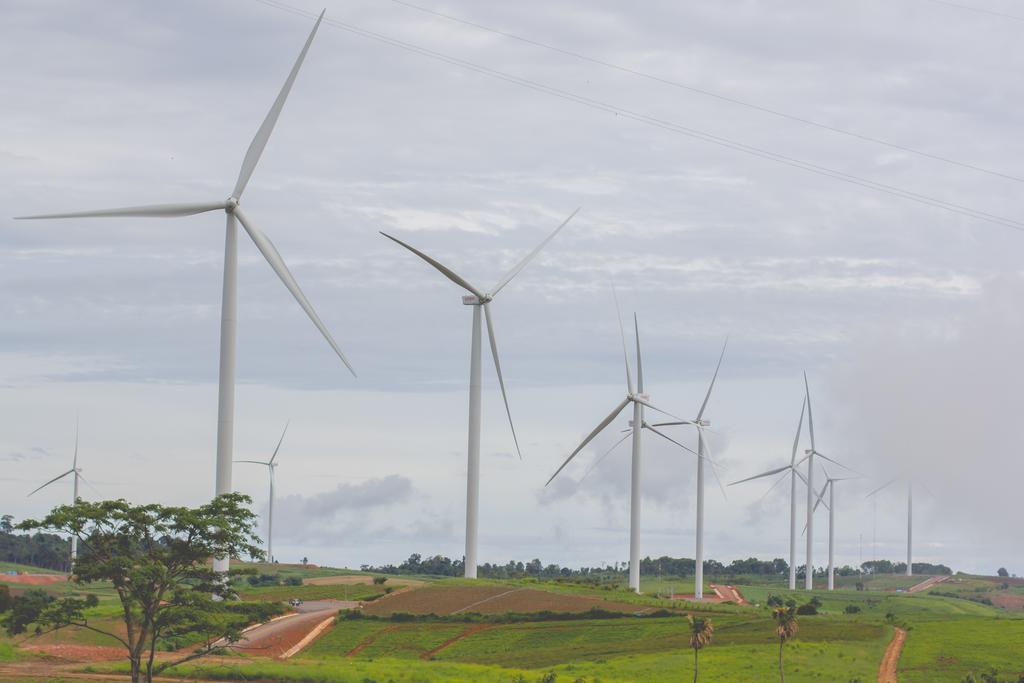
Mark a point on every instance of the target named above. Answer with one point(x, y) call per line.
point(231, 204)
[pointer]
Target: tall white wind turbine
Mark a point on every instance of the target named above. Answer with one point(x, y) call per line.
point(479, 299)
point(702, 454)
point(640, 400)
point(811, 453)
point(794, 474)
point(830, 483)
point(77, 472)
point(271, 466)
point(910, 516)
point(229, 301)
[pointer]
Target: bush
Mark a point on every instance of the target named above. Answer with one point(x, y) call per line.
point(774, 600)
point(852, 609)
point(379, 580)
point(807, 609)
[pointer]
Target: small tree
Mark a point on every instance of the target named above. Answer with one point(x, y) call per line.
point(158, 560)
point(701, 631)
point(785, 628)
point(1002, 572)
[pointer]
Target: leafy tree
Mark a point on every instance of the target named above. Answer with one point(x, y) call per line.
point(1002, 572)
point(774, 600)
point(786, 627)
point(24, 609)
point(701, 631)
point(157, 559)
point(5, 598)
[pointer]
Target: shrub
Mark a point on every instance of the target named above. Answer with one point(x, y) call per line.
point(293, 581)
point(774, 600)
point(807, 609)
point(852, 609)
point(379, 580)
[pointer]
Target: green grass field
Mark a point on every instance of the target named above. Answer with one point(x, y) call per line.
point(948, 637)
point(355, 591)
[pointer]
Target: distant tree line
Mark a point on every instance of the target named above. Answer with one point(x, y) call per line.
point(439, 565)
point(47, 551)
point(887, 567)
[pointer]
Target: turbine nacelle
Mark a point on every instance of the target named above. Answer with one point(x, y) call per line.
point(474, 300)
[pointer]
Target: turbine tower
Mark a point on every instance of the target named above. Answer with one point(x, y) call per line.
point(271, 466)
point(794, 474)
point(77, 472)
point(479, 299)
point(702, 454)
point(829, 486)
point(910, 516)
point(811, 453)
point(229, 301)
point(640, 400)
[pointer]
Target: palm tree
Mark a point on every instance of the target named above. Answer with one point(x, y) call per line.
point(785, 627)
point(700, 635)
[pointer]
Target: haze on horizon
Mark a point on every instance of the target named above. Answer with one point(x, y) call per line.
point(906, 317)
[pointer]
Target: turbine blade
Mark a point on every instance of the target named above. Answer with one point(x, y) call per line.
point(645, 402)
point(259, 142)
point(622, 331)
point(597, 430)
point(86, 482)
point(835, 462)
point(529, 257)
point(669, 438)
point(74, 461)
point(501, 380)
point(820, 496)
point(639, 358)
point(604, 455)
point(672, 424)
point(152, 210)
point(886, 484)
point(711, 386)
point(799, 428)
point(270, 253)
point(800, 475)
point(770, 488)
point(254, 462)
point(58, 478)
point(714, 471)
point(762, 475)
point(810, 414)
point(445, 270)
point(279, 442)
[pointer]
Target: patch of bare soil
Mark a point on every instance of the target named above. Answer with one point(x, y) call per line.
point(77, 653)
point(34, 579)
point(489, 600)
point(887, 670)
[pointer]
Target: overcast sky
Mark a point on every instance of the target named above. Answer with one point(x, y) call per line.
point(905, 316)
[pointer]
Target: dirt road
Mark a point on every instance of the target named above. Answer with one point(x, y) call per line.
point(887, 670)
point(926, 584)
point(284, 636)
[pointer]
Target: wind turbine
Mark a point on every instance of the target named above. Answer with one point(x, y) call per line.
point(229, 301)
point(271, 466)
point(479, 299)
point(794, 474)
point(702, 454)
point(811, 452)
point(640, 400)
point(77, 472)
point(910, 515)
point(831, 505)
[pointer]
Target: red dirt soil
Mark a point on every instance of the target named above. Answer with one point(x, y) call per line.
point(489, 600)
point(78, 653)
point(33, 579)
point(887, 670)
point(278, 637)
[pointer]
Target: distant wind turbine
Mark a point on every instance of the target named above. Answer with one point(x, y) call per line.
point(702, 454)
point(640, 400)
point(794, 474)
point(229, 301)
point(830, 483)
point(77, 472)
point(910, 515)
point(271, 466)
point(479, 299)
point(811, 452)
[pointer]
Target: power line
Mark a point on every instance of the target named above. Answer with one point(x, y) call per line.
point(663, 124)
point(711, 93)
point(979, 10)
